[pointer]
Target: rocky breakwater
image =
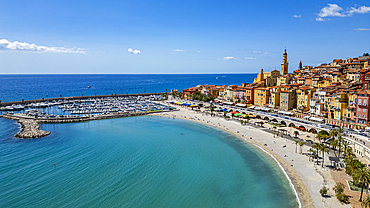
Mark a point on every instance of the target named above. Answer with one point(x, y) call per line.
point(30, 129)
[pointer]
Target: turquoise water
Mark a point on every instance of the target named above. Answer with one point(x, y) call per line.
point(137, 162)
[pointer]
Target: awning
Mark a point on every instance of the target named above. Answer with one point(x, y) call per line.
point(251, 107)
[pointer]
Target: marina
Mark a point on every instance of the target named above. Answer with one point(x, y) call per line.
point(87, 107)
point(30, 115)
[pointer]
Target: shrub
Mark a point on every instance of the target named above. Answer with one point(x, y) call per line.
point(323, 191)
point(339, 188)
point(342, 197)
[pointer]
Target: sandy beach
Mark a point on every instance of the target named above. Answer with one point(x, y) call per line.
point(306, 177)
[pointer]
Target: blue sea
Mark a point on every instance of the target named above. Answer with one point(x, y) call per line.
point(145, 161)
point(29, 87)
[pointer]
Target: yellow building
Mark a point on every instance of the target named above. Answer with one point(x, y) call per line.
point(261, 76)
point(340, 105)
point(283, 80)
point(261, 96)
point(324, 83)
point(304, 95)
point(284, 64)
point(274, 100)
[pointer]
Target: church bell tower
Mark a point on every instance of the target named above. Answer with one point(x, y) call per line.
point(284, 64)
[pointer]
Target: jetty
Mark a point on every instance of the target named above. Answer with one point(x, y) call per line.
point(30, 129)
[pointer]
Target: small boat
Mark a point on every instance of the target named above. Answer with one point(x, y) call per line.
point(88, 86)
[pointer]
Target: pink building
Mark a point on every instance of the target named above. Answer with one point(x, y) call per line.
point(362, 107)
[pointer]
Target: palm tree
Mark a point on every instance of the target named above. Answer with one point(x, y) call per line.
point(361, 176)
point(340, 144)
point(316, 146)
point(301, 144)
point(296, 133)
point(349, 152)
point(296, 142)
point(323, 149)
point(334, 144)
point(313, 153)
point(333, 133)
point(352, 165)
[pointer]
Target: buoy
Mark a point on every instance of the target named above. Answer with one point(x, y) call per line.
point(54, 164)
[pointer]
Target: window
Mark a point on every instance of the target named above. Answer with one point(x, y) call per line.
point(359, 110)
point(363, 116)
point(364, 110)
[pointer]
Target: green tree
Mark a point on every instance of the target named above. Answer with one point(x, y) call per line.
point(316, 146)
point(323, 149)
point(334, 144)
point(362, 177)
point(301, 144)
point(296, 133)
point(349, 152)
point(352, 165)
point(313, 153)
point(365, 54)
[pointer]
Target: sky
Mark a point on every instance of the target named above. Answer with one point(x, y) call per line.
point(177, 37)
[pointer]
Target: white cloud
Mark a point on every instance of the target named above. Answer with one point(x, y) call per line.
point(198, 51)
point(362, 29)
point(360, 10)
point(297, 16)
point(260, 52)
point(228, 58)
point(333, 10)
point(134, 51)
point(178, 50)
point(6, 45)
point(250, 58)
